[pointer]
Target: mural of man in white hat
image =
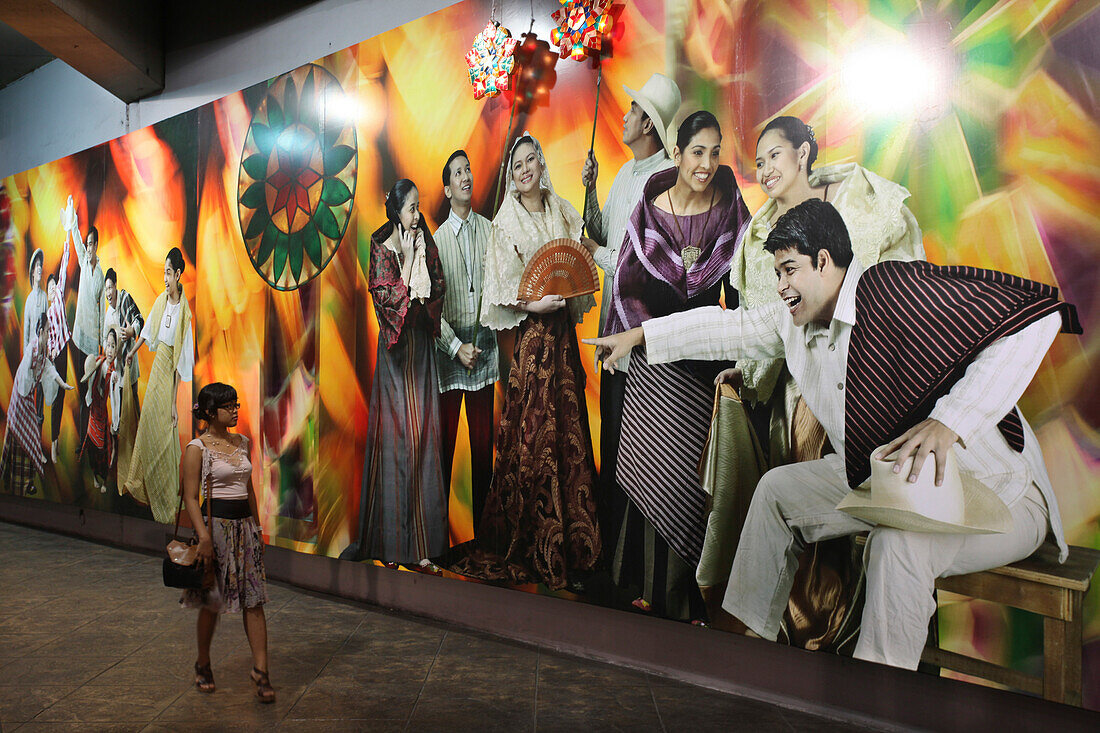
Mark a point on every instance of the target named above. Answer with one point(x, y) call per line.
point(645, 133)
point(906, 362)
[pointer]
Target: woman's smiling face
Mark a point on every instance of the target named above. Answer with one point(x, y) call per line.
point(777, 164)
point(526, 168)
point(410, 210)
point(698, 162)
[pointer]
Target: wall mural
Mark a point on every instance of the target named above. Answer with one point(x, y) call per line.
point(383, 362)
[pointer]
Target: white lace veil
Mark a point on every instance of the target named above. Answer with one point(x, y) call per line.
point(544, 180)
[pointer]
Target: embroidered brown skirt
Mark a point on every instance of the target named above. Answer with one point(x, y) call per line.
point(539, 522)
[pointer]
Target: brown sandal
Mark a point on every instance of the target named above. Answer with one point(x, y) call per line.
point(204, 678)
point(264, 690)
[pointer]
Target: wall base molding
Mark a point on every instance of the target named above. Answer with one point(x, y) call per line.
point(840, 688)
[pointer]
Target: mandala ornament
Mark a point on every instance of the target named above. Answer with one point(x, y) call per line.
point(297, 177)
point(582, 25)
point(491, 60)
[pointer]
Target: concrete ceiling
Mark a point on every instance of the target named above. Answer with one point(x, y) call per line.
point(121, 44)
point(18, 55)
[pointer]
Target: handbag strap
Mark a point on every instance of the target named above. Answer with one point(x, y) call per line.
point(209, 506)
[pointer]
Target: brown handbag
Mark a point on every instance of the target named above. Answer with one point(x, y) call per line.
point(182, 568)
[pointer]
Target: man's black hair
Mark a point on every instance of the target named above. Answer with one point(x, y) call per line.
point(447, 168)
point(810, 227)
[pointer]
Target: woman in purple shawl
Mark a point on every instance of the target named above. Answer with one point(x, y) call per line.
point(676, 256)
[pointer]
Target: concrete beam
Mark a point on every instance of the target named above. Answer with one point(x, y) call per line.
point(118, 44)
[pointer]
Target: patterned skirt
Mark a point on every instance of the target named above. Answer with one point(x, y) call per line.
point(666, 418)
point(539, 521)
point(240, 576)
point(152, 472)
point(22, 458)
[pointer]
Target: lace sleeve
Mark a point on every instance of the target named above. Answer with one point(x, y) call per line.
point(502, 272)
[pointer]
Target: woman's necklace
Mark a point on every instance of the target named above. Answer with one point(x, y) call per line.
point(168, 314)
point(690, 253)
point(231, 452)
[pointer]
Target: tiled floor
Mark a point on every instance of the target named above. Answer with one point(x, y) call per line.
point(90, 640)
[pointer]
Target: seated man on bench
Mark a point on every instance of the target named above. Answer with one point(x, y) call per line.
point(907, 353)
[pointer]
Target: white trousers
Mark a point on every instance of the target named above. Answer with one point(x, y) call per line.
point(794, 505)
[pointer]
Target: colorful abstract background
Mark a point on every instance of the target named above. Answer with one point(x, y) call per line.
point(988, 112)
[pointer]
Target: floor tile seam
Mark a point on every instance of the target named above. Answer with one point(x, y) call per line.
point(424, 682)
point(660, 717)
point(538, 673)
point(55, 702)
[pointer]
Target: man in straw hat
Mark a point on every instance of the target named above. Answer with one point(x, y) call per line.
point(645, 132)
point(925, 359)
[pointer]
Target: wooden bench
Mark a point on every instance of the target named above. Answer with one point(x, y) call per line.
point(1041, 585)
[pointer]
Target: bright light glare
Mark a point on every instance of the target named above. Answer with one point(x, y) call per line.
point(339, 107)
point(895, 80)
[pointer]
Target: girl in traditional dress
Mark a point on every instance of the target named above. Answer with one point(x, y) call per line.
point(33, 308)
point(403, 501)
point(152, 472)
point(217, 464)
point(539, 522)
point(22, 457)
point(57, 341)
point(823, 611)
point(676, 255)
point(99, 372)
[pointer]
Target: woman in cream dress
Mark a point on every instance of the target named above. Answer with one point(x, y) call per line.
point(150, 470)
point(539, 522)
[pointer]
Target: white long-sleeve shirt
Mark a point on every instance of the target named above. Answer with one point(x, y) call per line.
point(608, 227)
point(817, 358)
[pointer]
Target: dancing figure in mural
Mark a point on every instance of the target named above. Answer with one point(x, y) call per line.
point(823, 612)
point(22, 458)
point(88, 321)
point(675, 256)
point(403, 500)
point(151, 475)
point(964, 344)
point(468, 359)
point(122, 313)
point(539, 523)
point(218, 465)
point(33, 308)
point(57, 339)
point(645, 132)
point(100, 374)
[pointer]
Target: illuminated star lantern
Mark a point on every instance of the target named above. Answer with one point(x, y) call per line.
point(582, 25)
point(491, 60)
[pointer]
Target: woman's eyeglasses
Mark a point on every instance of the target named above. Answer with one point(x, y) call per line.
point(232, 407)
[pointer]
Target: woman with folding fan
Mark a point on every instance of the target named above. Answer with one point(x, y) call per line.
point(675, 256)
point(539, 522)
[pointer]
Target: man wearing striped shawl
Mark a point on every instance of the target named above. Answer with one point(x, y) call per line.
point(123, 314)
point(908, 354)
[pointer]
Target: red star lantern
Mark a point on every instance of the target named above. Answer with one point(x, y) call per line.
point(582, 25)
point(491, 60)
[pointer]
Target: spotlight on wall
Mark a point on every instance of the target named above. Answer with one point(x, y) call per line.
point(897, 80)
point(339, 107)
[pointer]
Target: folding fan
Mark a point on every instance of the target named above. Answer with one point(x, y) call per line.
point(559, 267)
